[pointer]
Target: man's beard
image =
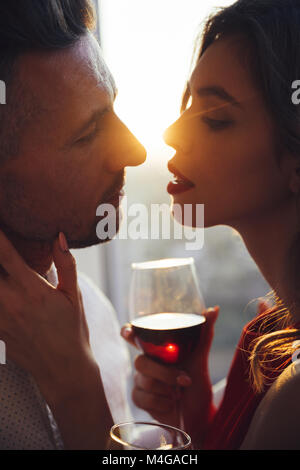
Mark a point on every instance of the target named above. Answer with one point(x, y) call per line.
point(93, 239)
point(21, 224)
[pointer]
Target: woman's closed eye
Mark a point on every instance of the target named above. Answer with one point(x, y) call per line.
point(217, 124)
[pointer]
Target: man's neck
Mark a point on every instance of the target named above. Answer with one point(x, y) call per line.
point(38, 255)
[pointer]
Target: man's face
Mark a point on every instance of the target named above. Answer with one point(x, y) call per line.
point(72, 153)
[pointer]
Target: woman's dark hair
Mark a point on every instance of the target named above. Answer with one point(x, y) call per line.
point(27, 26)
point(271, 29)
point(268, 34)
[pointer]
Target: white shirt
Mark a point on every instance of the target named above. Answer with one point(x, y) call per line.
point(26, 422)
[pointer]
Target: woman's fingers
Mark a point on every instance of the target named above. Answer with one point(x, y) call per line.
point(199, 358)
point(211, 316)
point(128, 334)
point(66, 267)
point(150, 385)
point(151, 402)
point(163, 373)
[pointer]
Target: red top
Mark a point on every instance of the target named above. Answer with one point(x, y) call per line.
point(232, 419)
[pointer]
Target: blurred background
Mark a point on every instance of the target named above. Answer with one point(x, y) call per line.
point(148, 47)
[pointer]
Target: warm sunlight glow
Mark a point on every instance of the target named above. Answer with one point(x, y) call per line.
point(148, 46)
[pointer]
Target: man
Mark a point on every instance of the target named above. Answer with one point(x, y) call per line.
point(63, 152)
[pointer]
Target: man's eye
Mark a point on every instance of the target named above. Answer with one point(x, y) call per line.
point(216, 124)
point(86, 138)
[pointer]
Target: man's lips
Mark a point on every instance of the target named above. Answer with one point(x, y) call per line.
point(116, 191)
point(180, 184)
point(115, 196)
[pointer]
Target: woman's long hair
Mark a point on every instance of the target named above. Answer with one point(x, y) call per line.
point(268, 33)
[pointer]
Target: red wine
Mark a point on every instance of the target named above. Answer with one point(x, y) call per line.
point(168, 337)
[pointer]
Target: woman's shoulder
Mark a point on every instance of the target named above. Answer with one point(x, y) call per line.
point(276, 423)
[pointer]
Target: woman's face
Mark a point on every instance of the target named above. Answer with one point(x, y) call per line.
point(224, 143)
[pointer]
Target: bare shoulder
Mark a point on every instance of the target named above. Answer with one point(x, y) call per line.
point(276, 423)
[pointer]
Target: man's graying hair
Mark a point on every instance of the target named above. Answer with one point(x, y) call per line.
point(27, 26)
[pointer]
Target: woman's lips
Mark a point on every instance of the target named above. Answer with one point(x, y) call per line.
point(178, 187)
point(181, 183)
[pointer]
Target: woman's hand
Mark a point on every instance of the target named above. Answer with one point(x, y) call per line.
point(44, 328)
point(46, 333)
point(157, 387)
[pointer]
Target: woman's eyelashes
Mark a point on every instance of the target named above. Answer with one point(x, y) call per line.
point(217, 124)
point(214, 124)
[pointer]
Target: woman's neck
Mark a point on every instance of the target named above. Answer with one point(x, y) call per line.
point(268, 239)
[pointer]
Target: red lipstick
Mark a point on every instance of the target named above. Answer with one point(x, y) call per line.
point(181, 183)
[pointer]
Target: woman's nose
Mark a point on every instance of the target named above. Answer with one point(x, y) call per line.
point(168, 136)
point(177, 136)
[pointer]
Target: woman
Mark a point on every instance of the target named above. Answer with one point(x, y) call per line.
point(237, 146)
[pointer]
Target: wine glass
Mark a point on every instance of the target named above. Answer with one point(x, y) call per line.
point(165, 306)
point(142, 435)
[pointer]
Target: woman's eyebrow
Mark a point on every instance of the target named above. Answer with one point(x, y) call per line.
point(219, 92)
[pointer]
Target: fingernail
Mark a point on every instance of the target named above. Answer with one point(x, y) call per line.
point(63, 242)
point(184, 380)
point(213, 309)
point(126, 332)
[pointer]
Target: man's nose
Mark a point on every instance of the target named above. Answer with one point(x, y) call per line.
point(128, 151)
